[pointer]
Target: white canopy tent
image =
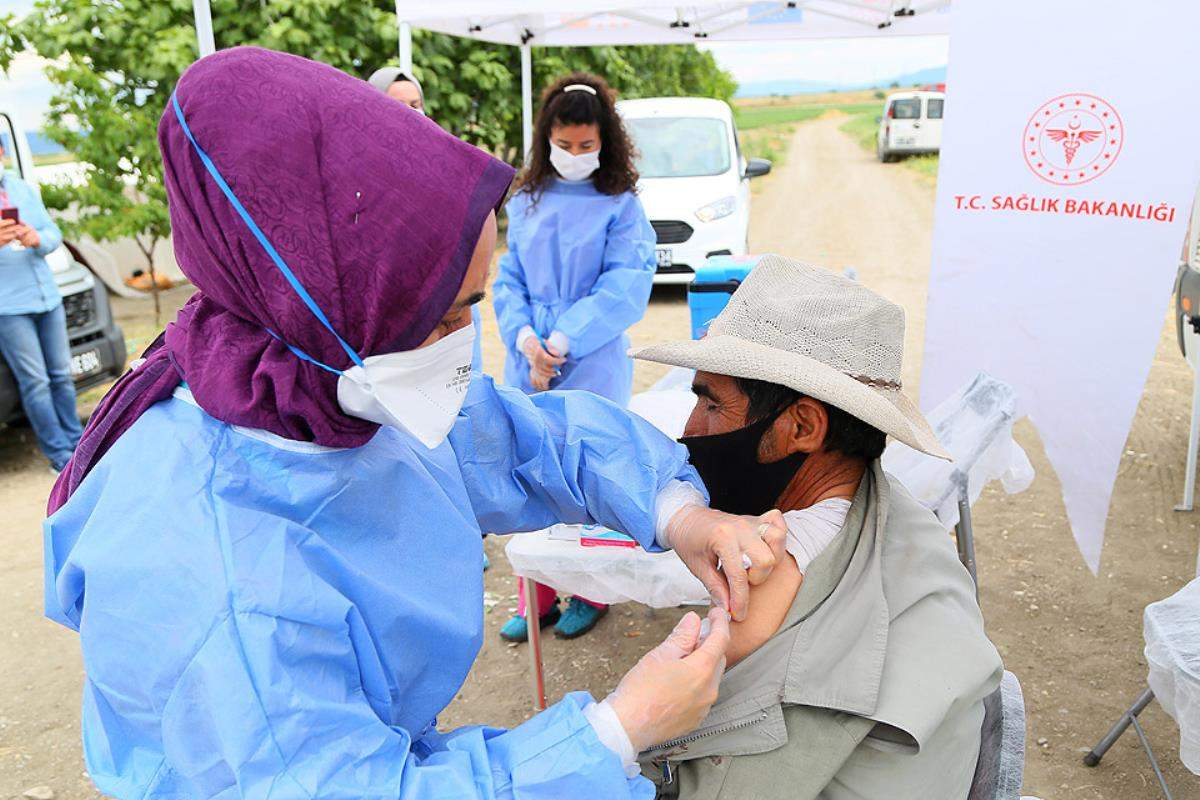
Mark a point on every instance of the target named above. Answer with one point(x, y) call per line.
point(579, 23)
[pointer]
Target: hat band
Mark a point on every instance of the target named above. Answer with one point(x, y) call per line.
point(874, 383)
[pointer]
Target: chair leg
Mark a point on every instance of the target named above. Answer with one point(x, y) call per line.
point(1162, 782)
point(964, 535)
point(1114, 733)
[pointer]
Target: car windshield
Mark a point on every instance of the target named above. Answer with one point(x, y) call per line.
point(680, 147)
point(933, 108)
point(909, 108)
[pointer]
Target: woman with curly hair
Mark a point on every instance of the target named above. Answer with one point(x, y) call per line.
point(577, 274)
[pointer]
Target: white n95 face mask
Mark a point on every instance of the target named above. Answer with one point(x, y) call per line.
point(574, 168)
point(418, 390)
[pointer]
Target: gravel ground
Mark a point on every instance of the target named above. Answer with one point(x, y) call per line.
point(1074, 640)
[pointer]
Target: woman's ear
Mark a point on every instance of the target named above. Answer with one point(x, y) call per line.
point(807, 424)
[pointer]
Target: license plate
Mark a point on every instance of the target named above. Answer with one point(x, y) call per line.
point(665, 256)
point(906, 141)
point(85, 363)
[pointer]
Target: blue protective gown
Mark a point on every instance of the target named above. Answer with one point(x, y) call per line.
point(266, 618)
point(582, 263)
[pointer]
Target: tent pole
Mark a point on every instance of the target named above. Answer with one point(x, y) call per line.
point(406, 60)
point(526, 102)
point(204, 31)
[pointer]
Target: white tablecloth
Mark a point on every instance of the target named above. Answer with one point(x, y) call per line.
point(604, 574)
point(1172, 631)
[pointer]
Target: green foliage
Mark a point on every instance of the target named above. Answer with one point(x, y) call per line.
point(115, 63)
point(473, 89)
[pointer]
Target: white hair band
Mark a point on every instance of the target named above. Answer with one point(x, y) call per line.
point(579, 87)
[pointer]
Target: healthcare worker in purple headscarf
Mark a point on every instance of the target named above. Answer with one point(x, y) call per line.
point(269, 538)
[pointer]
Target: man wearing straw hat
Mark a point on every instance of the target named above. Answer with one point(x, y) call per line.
point(861, 669)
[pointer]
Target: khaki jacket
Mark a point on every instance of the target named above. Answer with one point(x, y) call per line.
point(873, 686)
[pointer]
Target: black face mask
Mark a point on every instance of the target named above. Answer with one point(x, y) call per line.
point(728, 463)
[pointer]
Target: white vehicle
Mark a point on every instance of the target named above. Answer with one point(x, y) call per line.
point(911, 124)
point(695, 184)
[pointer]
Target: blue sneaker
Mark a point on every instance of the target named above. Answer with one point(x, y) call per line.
point(579, 618)
point(515, 630)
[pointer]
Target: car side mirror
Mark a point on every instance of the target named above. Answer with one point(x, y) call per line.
point(757, 167)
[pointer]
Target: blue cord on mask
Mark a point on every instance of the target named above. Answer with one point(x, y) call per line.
point(271, 251)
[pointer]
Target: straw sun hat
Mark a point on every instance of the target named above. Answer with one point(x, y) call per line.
point(820, 334)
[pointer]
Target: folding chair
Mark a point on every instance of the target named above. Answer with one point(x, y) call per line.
point(975, 425)
point(1001, 766)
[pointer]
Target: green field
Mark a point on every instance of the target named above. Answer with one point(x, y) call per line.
point(752, 117)
point(57, 158)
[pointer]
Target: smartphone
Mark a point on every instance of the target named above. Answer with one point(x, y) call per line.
point(10, 213)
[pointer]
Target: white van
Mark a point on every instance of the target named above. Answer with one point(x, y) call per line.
point(911, 124)
point(695, 184)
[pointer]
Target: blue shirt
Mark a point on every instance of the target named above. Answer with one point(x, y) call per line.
point(267, 618)
point(580, 263)
point(26, 282)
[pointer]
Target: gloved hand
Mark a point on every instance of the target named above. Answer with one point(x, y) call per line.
point(711, 542)
point(544, 363)
point(670, 690)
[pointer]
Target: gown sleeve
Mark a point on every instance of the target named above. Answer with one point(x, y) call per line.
point(531, 461)
point(275, 707)
point(513, 311)
point(619, 296)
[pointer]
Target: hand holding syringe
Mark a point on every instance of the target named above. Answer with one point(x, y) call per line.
point(545, 362)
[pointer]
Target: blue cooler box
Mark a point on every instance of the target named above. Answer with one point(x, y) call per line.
point(709, 291)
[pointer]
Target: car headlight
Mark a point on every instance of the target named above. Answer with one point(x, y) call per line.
point(717, 209)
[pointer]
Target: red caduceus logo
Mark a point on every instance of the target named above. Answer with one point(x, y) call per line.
point(1073, 139)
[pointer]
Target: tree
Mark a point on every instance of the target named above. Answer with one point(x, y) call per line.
point(114, 64)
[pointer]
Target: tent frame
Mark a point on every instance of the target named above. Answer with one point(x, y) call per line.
point(698, 23)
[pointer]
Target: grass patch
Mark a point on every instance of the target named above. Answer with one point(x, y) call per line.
point(770, 142)
point(863, 129)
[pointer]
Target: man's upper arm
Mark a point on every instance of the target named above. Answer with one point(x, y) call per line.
point(769, 604)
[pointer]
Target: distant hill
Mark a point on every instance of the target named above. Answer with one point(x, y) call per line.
point(790, 87)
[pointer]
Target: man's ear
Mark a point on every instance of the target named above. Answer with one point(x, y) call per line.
point(808, 423)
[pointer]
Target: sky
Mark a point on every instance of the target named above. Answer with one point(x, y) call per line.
point(831, 61)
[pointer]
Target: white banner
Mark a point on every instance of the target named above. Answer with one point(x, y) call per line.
point(1070, 156)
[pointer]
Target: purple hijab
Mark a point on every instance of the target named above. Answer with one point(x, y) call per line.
point(374, 208)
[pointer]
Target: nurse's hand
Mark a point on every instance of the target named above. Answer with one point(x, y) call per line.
point(716, 547)
point(669, 692)
point(544, 363)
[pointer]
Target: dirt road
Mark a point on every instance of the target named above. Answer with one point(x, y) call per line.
point(1074, 640)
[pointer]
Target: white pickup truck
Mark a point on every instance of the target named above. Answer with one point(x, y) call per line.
point(97, 343)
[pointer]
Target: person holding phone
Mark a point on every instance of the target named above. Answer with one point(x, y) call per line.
point(577, 274)
point(33, 325)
